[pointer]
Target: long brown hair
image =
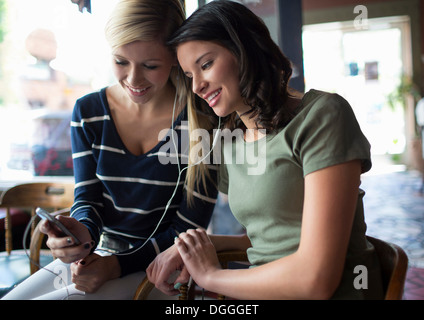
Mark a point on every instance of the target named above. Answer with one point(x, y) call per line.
point(264, 71)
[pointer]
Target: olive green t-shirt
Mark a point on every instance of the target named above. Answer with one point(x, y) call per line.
point(264, 181)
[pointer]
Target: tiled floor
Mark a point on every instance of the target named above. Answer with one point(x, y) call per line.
point(394, 211)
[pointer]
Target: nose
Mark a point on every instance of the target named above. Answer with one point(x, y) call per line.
point(135, 76)
point(199, 85)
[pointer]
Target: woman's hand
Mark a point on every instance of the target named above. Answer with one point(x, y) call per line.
point(63, 247)
point(199, 255)
point(90, 273)
point(163, 267)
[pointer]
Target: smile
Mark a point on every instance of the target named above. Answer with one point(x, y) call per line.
point(212, 96)
point(136, 90)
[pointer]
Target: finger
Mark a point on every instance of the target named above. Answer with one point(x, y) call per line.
point(154, 272)
point(88, 259)
point(161, 283)
point(45, 226)
point(188, 237)
point(183, 277)
point(72, 253)
point(167, 288)
point(80, 284)
point(181, 246)
point(59, 242)
point(77, 271)
point(203, 236)
point(150, 271)
point(199, 235)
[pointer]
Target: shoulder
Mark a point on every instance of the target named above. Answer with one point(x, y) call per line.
point(319, 108)
point(327, 132)
point(96, 96)
point(92, 104)
point(316, 100)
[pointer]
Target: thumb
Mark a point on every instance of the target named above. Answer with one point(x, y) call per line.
point(88, 259)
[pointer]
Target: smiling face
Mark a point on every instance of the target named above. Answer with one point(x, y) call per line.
point(142, 69)
point(214, 73)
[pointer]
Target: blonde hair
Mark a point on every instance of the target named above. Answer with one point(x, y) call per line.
point(150, 20)
point(198, 173)
point(147, 20)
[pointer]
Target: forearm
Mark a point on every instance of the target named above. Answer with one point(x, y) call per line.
point(286, 278)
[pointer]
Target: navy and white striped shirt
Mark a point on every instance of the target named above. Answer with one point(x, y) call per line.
point(126, 195)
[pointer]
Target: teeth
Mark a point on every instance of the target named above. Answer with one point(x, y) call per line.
point(213, 95)
point(136, 90)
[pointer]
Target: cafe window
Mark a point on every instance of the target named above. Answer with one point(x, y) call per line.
point(50, 55)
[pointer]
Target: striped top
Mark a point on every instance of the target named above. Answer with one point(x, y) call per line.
point(126, 195)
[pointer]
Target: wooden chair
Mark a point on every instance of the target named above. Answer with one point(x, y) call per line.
point(188, 292)
point(14, 264)
point(393, 261)
point(394, 265)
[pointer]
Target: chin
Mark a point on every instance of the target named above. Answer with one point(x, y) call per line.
point(221, 112)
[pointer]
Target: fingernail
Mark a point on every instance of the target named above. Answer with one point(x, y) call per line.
point(175, 239)
point(177, 286)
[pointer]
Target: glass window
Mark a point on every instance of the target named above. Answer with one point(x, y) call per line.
point(50, 55)
point(374, 62)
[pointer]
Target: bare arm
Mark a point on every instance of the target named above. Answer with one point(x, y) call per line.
point(314, 270)
point(166, 263)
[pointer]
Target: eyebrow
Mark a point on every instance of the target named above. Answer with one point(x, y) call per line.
point(197, 61)
point(124, 58)
point(200, 58)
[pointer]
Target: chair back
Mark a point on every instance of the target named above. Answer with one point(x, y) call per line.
point(394, 265)
point(53, 196)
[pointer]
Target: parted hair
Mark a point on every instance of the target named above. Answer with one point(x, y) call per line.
point(147, 20)
point(264, 71)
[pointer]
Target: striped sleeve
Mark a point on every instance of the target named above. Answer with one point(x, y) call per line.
point(88, 203)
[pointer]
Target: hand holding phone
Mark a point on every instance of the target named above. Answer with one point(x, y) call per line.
point(43, 214)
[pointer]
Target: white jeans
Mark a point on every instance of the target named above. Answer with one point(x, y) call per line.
point(53, 282)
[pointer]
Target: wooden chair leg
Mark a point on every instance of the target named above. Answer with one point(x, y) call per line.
point(8, 231)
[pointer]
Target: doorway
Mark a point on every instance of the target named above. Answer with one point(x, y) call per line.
point(366, 67)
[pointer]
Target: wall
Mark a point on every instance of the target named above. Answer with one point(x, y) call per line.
point(321, 11)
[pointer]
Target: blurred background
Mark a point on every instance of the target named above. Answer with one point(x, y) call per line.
point(370, 52)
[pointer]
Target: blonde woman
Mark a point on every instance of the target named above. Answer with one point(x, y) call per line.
point(121, 213)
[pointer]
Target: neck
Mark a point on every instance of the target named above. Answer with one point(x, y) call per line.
point(253, 132)
point(244, 115)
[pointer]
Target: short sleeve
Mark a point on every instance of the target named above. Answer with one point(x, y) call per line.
point(329, 135)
